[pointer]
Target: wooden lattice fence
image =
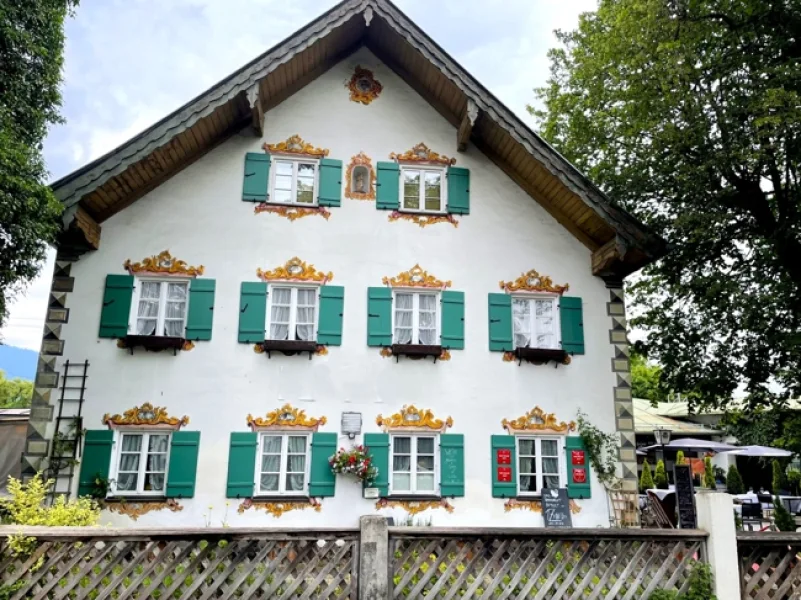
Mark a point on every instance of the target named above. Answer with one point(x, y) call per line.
point(770, 565)
point(541, 564)
point(78, 564)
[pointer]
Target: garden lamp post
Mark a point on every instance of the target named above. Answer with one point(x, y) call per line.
point(662, 436)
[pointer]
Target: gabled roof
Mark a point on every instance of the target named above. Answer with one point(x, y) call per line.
point(107, 185)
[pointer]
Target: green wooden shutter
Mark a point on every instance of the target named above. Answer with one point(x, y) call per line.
point(330, 182)
point(501, 338)
point(116, 306)
point(459, 191)
point(578, 468)
point(241, 465)
point(503, 446)
point(252, 312)
point(332, 308)
point(96, 459)
point(182, 472)
point(379, 316)
point(257, 177)
point(378, 448)
point(452, 326)
point(451, 465)
point(387, 186)
point(321, 479)
point(570, 314)
point(201, 310)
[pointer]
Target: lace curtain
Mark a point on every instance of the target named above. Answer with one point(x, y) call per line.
point(296, 464)
point(279, 313)
point(148, 311)
point(307, 300)
point(427, 330)
point(270, 463)
point(404, 310)
point(176, 309)
point(521, 316)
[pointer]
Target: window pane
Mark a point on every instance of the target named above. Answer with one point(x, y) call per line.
point(282, 196)
point(550, 465)
point(404, 313)
point(528, 484)
point(402, 445)
point(425, 445)
point(150, 290)
point(271, 444)
point(269, 483)
point(521, 319)
point(528, 465)
point(425, 463)
point(131, 443)
point(296, 463)
point(297, 444)
point(433, 182)
point(283, 167)
point(129, 462)
point(401, 463)
point(270, 463)
point(549, 448)
point(176, 292)
point(157, 462)
point(425, 483)
point(411, 189)
point(126, 482)
point(428, 302)
point(401, 483)
point(294, 483)
point(280, 308)
point(306, 314)
point(551, 482)
point(158, 443)
point(527, 447)
point(154, 482)
point(305, 190)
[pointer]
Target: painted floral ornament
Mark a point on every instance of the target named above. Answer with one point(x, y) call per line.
point(363, 86)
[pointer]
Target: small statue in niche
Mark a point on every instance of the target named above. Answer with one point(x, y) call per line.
point(360, 180)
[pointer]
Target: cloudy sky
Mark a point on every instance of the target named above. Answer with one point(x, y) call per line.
point(130, 62)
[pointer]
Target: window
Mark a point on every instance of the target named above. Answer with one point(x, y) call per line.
point(142, 463)
point(293, 181)
point(416, 319)
point(414, 461)
point(282, 468)
point(161, 308)
point(535, 322)
point(539, 464)
point(422, 189)
point(292, 314)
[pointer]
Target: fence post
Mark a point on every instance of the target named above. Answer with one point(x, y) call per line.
point(374, 573)
point(716, 516)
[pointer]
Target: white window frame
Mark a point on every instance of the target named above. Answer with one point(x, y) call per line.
point(417, 292)
point(295, 160)
point(282, 470)
point(293, 311)
point(140, 481)
point(560, 455)
point(134, 314)
point(443, 191)
point(413, 464)
point(533, 313)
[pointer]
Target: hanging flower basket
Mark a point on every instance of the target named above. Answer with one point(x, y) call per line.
point(356, 462)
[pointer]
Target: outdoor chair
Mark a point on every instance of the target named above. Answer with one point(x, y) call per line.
point(752, 515)
point(662, 513)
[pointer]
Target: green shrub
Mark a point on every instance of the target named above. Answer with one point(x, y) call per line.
point(778, 477)
point(660, 476)
point(663, 595)
point(782, 518)
point(709, 475)
point(701, 583)
point(794, 480)
point(680, 457)
point(646, 479)
point(734, 483)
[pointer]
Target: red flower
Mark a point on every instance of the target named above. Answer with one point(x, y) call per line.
point(352, 459)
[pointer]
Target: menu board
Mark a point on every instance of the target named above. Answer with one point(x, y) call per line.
point(556, 508)
point(685, 499)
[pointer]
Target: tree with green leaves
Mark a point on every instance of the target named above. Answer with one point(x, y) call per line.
point(779, 482)
point(734, 482)
point(689, 115)
point(660, 476)
point(709, 475)
point(645, 378)
point(782, 518)
point(31, 56)
point(15, 393)
point(646, 479)
point(680, 460)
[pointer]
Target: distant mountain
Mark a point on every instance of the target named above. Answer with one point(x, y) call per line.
point(18, 362)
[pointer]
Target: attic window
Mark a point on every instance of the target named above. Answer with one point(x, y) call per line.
point(423, 189)
point(294, 181)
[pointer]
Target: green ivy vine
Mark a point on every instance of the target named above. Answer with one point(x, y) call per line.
point(602, 449)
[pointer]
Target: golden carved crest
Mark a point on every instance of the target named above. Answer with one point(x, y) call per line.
point(410, 416)
point(286, 416)
point(293, 213)
point(296, 145)
point(533, 282)
point(414, 507)
point(364, 187)
point(295, 270)
point(538, 420)
point(415, 277)
point(422, 153)
point(422, 220)
point(147, 414)
point(276, 509)
point(164, 264)
point(135, 510)
point(363, 86)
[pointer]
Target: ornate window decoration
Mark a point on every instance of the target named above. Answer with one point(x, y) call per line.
point(363, 86)
point(360, 178)
point(537, 420)
point(163, 264)
point(296, 269)
point(286, 417)
point(296, 145)
point(422, 154)
point(146, 415)
point(410, 417)
point(533, 282)
point(415, 277)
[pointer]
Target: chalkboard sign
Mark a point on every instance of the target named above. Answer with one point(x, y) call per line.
point(685, 499)
point(556, 508)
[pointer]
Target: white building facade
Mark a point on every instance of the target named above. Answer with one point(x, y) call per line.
point(346, 276)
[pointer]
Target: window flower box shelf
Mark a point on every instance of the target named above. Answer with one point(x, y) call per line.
point(416, 351)
point(153, 343)
point(540, 356)
point(289, 347)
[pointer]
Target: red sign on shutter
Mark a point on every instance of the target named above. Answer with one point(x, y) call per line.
point(504, 474)
point(577, 457)
point(504, 457)
point(579, 476)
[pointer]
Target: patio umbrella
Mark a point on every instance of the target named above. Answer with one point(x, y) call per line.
point(694, 444)
point(764, 451)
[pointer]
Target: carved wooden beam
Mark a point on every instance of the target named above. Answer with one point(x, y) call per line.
point(257, 110)
point(466, 126)
point(609, 258)
point(80, 233)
